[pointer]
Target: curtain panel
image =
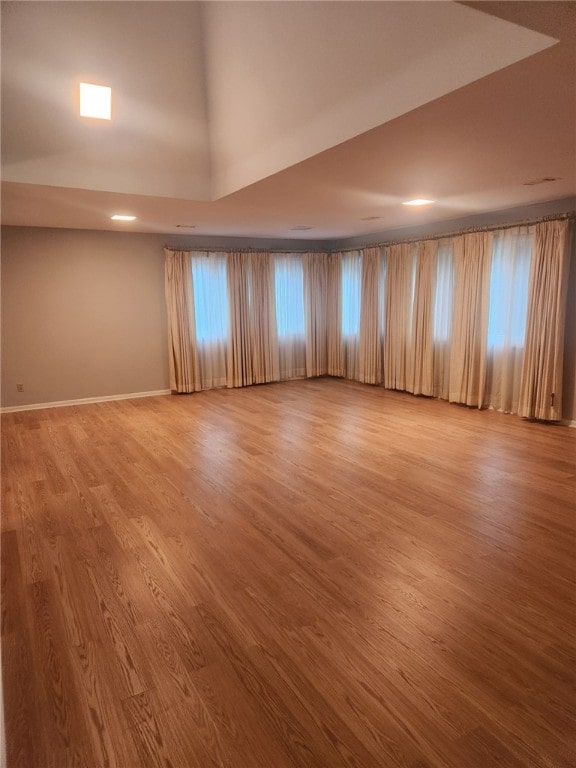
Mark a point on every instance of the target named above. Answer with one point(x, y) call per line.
point(261, 319)
point(472, 253)
point(334, 351)
point(541, 384)
point(400, 262)
point(422, 341)
point(239, 353)
point(370, 342)
point(443, 315)
point(316, 285)
point(351, 302)
point(183, 357)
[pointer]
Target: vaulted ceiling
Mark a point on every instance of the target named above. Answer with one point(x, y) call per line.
point(256, 118)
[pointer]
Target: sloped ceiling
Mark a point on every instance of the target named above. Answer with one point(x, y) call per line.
point(251, 118)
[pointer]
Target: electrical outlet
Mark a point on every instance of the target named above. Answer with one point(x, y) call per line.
point(19, 387)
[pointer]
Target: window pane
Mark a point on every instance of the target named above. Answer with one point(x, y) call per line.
point(351, 287)
point(509, 277)
point(444, 293)
point(210, 297)
point(289, 282)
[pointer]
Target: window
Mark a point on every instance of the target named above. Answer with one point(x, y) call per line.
point(289, 286)
point(509, 276)
point(444, 297)
point(351, 290)
point(210, 297)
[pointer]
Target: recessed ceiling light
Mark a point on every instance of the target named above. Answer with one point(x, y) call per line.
point(122, 217)
point(95, 101)
point(419, 201)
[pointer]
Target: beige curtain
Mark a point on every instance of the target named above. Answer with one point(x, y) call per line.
point(315, 311)
point(370, 357)
point(422, 342)
point(261, 319)
point(470, 320)
point(253, 348)
point(183, 359)
point(239, 358)
point(398, 315)
point(443, 312)
point(541, 381)
point(334, 352)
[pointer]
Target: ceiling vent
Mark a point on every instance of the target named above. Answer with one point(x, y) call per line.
point(185, 226)
point(301, 228)
point(543, 180)
point(370, 218)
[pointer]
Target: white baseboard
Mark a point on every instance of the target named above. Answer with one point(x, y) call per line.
point(81, 401)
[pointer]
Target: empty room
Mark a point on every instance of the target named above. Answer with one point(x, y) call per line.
point(288, 384)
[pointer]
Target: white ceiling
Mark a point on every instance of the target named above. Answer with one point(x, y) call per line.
point(251, 118)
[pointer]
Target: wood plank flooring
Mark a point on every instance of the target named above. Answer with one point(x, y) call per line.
point(311, 574)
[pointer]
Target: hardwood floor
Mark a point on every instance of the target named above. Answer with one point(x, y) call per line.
point(307, 574)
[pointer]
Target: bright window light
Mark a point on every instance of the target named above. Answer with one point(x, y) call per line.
point(289, 284)
point(95, 101)
point(419, 201)
point(122, 217)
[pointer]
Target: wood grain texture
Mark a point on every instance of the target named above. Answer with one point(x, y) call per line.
point(297, 575)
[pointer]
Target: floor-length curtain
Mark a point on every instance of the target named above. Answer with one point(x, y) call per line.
point(370, 362)
point(398, 314)
point(239, 357)
point(541, 385)
point(315, 312)
point(443, 313)
point(470, 321)
point(334, 350)
point(261, 313)
point(183, 359)
point(509, 279)
point(422, 342)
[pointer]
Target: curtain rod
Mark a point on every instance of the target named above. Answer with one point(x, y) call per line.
point(242, 250)
point(467, 231)
point(415, 239)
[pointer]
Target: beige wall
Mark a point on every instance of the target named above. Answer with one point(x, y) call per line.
point(82, 314)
